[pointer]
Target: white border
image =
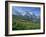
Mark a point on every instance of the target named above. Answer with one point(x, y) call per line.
point(24, 31)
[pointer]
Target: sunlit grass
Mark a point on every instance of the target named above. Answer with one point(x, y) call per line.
point(19, 24)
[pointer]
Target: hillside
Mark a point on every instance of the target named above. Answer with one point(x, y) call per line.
point(24, 23)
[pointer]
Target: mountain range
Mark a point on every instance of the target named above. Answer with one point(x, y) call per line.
point(26, 16)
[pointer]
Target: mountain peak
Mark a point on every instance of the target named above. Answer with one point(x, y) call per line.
point(31, 13)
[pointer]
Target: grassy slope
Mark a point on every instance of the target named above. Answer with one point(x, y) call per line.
point(18, 24)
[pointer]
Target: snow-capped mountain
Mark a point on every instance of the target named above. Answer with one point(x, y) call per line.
point(26, 15)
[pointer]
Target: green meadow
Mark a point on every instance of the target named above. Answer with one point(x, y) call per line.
point(20, 24)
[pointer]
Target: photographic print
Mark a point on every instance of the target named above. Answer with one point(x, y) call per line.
point(24, 18)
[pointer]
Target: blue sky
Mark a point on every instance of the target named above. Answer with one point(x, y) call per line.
point(23, 10)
